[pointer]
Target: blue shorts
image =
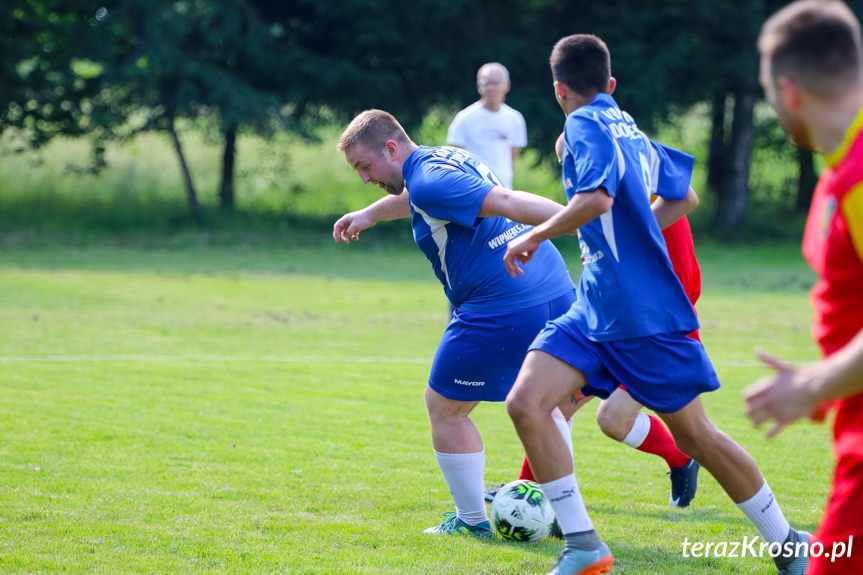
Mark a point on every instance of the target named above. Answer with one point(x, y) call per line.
point(663, 372)
point(480, 354)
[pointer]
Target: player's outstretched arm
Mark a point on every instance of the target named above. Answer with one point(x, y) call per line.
point(521, 207)
point(790, 394)
point(581, 209)
point(349, 226)
point(669, 211)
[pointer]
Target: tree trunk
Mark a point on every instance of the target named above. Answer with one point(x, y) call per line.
point(226, 188)
point(735, 193)
point(805, 181)
point(195, 209)
point(717, 160)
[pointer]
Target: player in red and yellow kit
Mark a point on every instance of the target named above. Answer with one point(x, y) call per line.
point(812, 73)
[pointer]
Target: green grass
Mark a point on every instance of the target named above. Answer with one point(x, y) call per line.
point(184, 408)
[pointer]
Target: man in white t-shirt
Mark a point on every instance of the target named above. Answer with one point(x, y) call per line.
point(489, 128)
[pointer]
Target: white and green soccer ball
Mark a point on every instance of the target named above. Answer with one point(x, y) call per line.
point(521, 512)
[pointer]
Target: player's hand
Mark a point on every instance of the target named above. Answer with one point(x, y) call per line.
point(521, 250)
point(349, 226)
point(782, 398)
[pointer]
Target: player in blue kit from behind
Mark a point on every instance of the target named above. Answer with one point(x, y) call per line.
point(630, 323)
point(459, 212)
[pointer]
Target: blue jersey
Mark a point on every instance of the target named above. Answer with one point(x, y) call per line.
point(628, 288)
point(447, 186)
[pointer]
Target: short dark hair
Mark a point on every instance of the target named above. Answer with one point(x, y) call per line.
point(582, 62)
point(815, 42)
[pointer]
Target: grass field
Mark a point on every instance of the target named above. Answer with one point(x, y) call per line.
point(259, 410)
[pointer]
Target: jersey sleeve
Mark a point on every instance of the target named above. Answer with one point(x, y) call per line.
point(852, 211)
point(670, 171)
point(596, 158)
point(450, 195)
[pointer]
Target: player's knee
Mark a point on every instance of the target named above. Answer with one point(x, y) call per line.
point(702, 441)
point(613, 425)
point(515, 408)
point(520, 408)
point(697, 446)
point(690, 447)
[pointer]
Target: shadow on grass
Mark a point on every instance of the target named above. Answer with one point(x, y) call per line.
point(295, 247)
point(165, 239)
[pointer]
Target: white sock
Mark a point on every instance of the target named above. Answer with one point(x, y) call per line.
point(464, 474)
point(763, 511)
point(640, 430)
point(565, 428)
point(565, 498)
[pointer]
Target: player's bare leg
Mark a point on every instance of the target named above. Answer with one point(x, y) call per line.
point(452, 429)
point(542, 384)
point(730, 464)
point(568, 408)
point(573, 404)
point(461, 458)
point(738, 474)
point(621, 418)
point(617, 414)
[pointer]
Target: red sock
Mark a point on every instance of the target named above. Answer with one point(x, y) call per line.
point(659, 442)
point(526, 471)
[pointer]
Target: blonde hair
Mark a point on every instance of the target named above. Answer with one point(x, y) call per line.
point(815, 42)
point(372, 129)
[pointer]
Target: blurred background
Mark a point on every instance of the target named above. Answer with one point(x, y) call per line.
point(219, 118)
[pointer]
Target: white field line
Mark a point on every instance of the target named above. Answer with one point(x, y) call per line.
point(211, 358)
point(277, 359)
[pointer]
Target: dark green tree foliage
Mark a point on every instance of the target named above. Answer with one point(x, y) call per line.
point(729, 69)
point(656, 56)
point(46, 87)
point(344, 57)
point(168, 60)
point(666, 57)
point(125, 66)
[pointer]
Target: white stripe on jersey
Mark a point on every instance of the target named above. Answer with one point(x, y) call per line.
point(607, 221)
point(568, 147)
point(654, 166)
point(439, 235)
point(621, 160)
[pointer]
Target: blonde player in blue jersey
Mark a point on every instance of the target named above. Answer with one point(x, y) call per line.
point(459, 212)
point(454, 201)
point(631, 320)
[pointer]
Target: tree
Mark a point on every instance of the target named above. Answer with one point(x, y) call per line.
point(46, 87)
point(189, 59)
point(258, 66)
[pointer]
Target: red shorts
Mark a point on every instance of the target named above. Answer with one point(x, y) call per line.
point(843, 518)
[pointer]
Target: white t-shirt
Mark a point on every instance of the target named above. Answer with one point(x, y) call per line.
point(490, 135)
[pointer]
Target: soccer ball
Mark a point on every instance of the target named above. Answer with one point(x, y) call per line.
point(520, 512)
